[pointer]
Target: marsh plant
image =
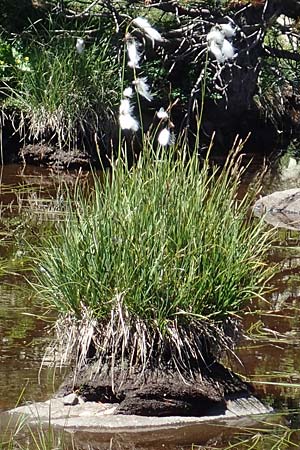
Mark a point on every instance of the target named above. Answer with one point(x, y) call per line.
point(23, 436)
point(153, 266)
point(64, 95)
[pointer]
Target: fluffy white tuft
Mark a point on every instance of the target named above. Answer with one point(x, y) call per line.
point(143, 88)
point(164, 137)
point(162, 114)
point(227, 50)
point(144, 25)
point(125, 107)
point(133, 53)
point(219, 46)
point(128, 92)
point(216, 36)
point(128, 122)
point(216, 51)
point(228, 30)
point(80, 45)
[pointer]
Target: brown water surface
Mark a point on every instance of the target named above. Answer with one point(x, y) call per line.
point(269, 357)
point(25, 193)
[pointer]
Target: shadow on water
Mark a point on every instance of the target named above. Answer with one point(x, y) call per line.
point(269, 356)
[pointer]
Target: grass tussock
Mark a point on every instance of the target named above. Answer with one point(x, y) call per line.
point(61, 95)
point(154, 265)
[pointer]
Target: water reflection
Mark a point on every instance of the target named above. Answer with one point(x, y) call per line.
point(22, 341)
point(22, 335)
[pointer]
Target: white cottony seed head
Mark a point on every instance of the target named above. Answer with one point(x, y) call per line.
point(145, 26)
point(215, 35)
point(133, 53)
point(125, 106)
point(216, 51)
point(164, 137)
point(227, 50)
point(219, 41)
point(228, 30)
point(128, 92)
point(162, 114)
point(128, 122)
point(80, 45)
point(143, 88)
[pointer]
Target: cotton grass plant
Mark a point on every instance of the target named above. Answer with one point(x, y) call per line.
point(69, 90)
point(153, 267)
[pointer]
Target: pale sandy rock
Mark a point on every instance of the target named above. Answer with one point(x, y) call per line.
point(95, 417)
point(280, 209)
point(70, 400)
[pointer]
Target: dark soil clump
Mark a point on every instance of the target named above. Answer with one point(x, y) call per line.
point(41, 154)
point(158, 392)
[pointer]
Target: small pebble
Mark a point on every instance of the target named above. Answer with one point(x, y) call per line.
point(70, 400)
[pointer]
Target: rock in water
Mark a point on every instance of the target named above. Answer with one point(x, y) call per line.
point(71, 400)
point(280, 209)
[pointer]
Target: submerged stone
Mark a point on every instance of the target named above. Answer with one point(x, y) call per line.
point(101, 417)
point(126, 400)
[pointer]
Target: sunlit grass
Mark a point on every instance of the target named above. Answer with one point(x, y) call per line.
point(23, 436)
point(273, 433)
point(63, 96)
point(16, 432)
point(276, 437)
point(160, 255)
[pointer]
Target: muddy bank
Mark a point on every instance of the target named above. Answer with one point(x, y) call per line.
point(55, 157)
point(261, 137)
point(159, 399)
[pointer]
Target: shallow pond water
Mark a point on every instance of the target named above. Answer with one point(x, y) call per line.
point(269, 357)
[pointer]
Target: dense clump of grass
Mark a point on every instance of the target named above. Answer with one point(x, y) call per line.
point(63, 96)
point(155, 260)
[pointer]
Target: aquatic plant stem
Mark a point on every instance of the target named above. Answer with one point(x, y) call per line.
point(121, 94)
point(139, 108)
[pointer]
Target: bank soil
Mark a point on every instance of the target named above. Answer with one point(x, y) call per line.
point(158, 392)
point(44, 155)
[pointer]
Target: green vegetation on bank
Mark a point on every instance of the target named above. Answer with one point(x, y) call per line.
point(158, 256)
point(69, 98)
point(60, 95)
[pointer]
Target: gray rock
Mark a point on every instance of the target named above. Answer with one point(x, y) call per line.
point(70, 400)
point(280, 209)
point(96, 416)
